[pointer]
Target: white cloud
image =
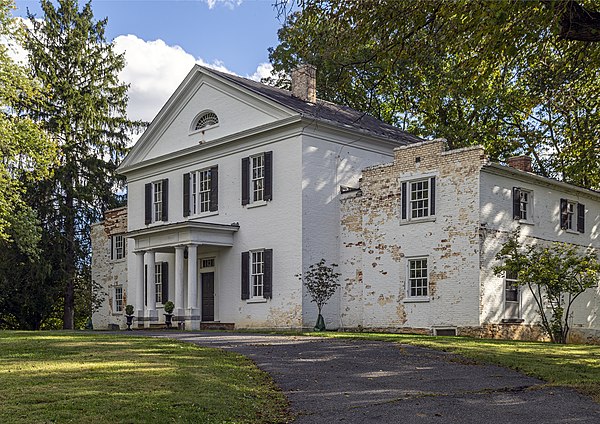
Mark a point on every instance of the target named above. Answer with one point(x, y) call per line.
point(227, 3)
point(262, 71)
point(154, 70)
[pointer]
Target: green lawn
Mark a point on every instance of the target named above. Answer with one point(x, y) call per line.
point(94, 378)
point(576, 366)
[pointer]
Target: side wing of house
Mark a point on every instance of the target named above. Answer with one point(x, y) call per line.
point(545, 211)
point(410, 242)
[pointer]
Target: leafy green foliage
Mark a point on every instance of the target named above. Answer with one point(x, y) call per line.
point(556, 276)
point(500, 74)
point(83, 108)
point(321, 282)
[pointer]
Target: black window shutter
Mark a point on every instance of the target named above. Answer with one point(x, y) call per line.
point(186, 194)
point(516, 200)
point(165, 200)
point(432, 200)
point(403, 195)
point(563, 213)
point(148, 203)
point(146, 285)
point(268, 195)
point(245, 275)
point(112, 247)
point(165, 282)
point(581, 218)
point(214, 189)
point(268, 274)
point(245, 181)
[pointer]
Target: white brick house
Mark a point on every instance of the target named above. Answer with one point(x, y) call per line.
point(232, 190)
point(235, 188)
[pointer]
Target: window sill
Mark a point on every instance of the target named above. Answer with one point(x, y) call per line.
point(256, 204)
point(571, 231)
point(257, 300)
point(203, 215)
point(417, 220)
point(118, 314)
point(416, 299)
point(123, 259)
point(526, 222)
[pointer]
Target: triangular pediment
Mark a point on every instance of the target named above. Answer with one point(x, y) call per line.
point(202, 91)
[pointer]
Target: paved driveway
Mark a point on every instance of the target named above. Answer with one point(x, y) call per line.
point(353, 381)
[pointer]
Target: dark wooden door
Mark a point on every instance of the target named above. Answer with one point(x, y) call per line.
point(208, 296)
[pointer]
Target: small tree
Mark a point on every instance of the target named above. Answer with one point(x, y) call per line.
point(321, 281)
point(555, 275)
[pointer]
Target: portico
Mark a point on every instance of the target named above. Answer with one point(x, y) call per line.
point(181, 242)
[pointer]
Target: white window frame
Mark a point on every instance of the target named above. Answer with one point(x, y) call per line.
point(200, 190)
point(571, 222)
point(118, 248)
point(257, 274)
point(257, 178)
point(525, 207)
point(511, 285)
point(424, 296)
point(118, 299)
point(158, 271)
point(157, 200)
point(424, 204)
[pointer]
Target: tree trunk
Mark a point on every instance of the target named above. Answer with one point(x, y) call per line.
point(70, 268)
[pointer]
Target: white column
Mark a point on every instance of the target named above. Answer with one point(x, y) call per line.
point(193, 311)
point(179, 306)
point(151, 287)
point(139, 284)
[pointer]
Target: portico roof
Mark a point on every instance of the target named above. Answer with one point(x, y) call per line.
point(165, 237)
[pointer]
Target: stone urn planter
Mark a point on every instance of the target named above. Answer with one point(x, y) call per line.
point(129, 316)
point(169, 307)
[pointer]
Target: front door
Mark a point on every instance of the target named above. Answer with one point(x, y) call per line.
point(208, 296)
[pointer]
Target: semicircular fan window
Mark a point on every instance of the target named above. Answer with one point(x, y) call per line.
point(207, 119)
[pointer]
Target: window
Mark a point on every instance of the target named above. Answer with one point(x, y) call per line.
point(157, 193)
point(572, 216)
point(418, 199)
point(257, 270)
point(522, 204)
point(418, 280)
point(200, 191)
point(118, 298)
point(511, 288)
point(158, 280)
point(207, 263)
point(117, 247)
point(257, 178)
point(205, 120)
point(156, 201)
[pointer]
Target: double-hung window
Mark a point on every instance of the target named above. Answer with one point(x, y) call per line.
point(257, 271)
point(257, 178)
point(156, 201)
point(511, 288)
point(200, 191)
point(572, 216)
point(418, 199)
point(118, 298)
point(158, 281)
point(417, 278)
point(117, 247)
point(522, 205)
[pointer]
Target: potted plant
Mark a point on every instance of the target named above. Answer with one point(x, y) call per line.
point(129, 315)
point(169, 306)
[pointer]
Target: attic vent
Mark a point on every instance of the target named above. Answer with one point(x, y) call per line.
point(204, 120)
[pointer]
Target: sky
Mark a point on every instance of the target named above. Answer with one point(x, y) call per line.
point(162, 39)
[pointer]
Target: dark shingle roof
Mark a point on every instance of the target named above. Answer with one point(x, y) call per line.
point(341, 116)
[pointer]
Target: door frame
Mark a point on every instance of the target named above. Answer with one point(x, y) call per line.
point(208, 269)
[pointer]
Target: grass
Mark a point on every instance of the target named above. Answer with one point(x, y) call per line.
point(95, 378)
point(575, 366)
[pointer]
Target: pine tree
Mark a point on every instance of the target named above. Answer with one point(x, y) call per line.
point(84, 111)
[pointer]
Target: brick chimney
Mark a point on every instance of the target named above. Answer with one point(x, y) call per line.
point(522, 163)
point(304, 83)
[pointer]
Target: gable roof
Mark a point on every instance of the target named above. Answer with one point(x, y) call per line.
point(338, 115)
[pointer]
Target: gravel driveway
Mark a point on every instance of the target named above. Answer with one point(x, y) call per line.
point(356, 381)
